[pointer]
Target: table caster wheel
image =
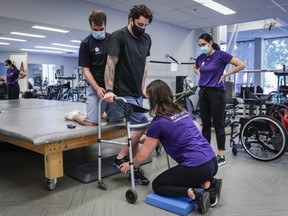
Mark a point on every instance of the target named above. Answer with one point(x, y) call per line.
point(51, 184)
point(131, 196)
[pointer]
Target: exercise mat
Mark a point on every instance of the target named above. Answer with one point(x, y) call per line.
point(88, 172)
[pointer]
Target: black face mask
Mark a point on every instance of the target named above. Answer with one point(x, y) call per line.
point(137, 31)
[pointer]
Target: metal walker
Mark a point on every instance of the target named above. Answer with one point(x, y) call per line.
point(131, 194)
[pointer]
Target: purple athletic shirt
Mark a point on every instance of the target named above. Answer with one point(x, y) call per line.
point(181, 139)
point(12, 76)
point(212, 68)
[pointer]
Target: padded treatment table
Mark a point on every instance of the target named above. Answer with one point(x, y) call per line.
point(38, 125)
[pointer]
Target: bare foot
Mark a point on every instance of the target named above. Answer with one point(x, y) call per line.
point(191, 194)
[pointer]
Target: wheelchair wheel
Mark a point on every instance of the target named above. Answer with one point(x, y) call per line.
point(264, 138)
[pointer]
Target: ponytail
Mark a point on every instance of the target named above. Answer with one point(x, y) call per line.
point(215, 46)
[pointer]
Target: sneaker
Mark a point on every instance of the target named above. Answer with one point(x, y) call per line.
point(70, 115)
point(202, 200)
point(221, 160)
point(139, 178)
point(215, 191)
point(118, 162)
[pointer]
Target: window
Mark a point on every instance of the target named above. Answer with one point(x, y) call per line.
point(244, 50)
point(276, 55)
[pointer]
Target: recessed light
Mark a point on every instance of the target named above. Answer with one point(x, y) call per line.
point(215, 6)
point(12, 39)
point(55, 48)
point(75, 41)
point(65, 45)
point(28, 35)
point(50, 29)
point(45, 51)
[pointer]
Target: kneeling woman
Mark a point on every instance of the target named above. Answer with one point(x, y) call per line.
point(172, 125)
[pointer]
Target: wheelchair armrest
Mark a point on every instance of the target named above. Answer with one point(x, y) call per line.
point(238, 100)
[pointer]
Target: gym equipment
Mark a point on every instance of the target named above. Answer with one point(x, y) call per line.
point(131, 194)
point(179, 205)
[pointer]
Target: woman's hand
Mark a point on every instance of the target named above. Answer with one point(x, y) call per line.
point(125, 167)
point(222, 79)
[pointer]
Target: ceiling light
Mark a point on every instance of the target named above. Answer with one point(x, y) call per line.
point(215, 6)
point(279, 6)
point(50, 29)
point(28, 35)
point(36, 50)
point(75, 41)
point(55, 48)
point(65, 45)
point(3, 43)
point(12, 39)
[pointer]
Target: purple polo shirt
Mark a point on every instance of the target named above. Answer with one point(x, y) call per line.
point(212, 68)
point(181, 139)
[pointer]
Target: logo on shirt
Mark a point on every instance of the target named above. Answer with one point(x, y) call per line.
point(179, 116)
point(97, 50)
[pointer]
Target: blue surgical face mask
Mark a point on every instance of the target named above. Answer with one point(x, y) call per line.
point(98, 35)
point(205, 49)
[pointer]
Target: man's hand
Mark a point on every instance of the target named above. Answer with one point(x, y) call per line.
point(109, 97)
point(100, 92)
point(144, 95)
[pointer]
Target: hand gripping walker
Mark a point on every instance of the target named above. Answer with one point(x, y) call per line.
point(131, 194)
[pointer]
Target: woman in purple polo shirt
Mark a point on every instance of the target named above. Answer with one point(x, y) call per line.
point(173, 126)
point(12, 77)
point(210, 67)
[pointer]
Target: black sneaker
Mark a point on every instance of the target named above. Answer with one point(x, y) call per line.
point(215, 191)
point(221, 160)
point(202, 199)
point(139, 177)
point(118, 162)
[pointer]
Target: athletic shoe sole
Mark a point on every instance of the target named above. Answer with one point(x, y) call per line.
point(204, 203)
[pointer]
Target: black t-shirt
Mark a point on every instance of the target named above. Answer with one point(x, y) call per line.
point(93, 54)
point(132, 55)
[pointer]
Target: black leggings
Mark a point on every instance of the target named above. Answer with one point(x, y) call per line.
point(212, 103)
point(176, 181)
point(13, 92)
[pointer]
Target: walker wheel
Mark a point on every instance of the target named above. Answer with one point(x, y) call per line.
point(131, 196)
point(234, 150)
point(102, 186)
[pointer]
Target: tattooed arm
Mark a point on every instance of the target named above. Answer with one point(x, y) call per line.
point(109, 76)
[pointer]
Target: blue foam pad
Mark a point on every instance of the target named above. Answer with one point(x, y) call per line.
point(180, 205)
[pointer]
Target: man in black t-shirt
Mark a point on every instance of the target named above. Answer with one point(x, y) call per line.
point(125, 75)
point(92, 59)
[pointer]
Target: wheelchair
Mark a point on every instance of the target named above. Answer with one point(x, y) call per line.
point(264, 137)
